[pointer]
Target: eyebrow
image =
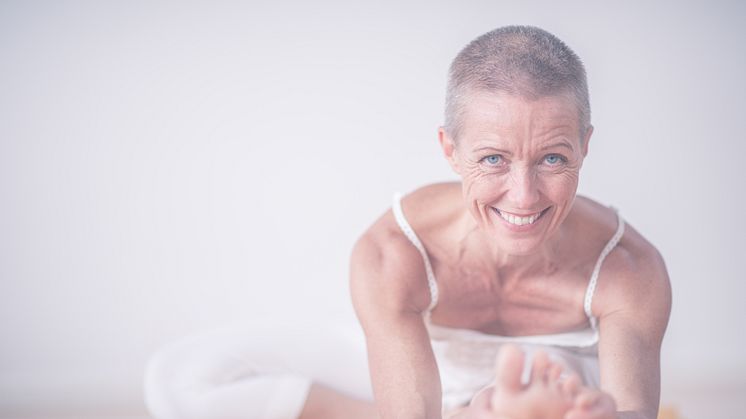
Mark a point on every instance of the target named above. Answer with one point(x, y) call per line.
point(558, 144)
point(490, 148)
point(563, 143)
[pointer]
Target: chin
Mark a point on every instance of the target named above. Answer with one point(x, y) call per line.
point(521, 240)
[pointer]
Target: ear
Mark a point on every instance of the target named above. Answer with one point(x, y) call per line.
point(449, 148)
point(587, 139)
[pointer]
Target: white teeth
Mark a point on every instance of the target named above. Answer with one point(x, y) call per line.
point(519, 221)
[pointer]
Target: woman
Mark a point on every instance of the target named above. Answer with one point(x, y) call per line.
point(509, 254)
point(507, 261)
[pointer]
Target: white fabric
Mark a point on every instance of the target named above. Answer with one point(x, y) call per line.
point(466, 357)
point(260, 372)
point(407, 229)
point(266, 371)
point(597, 268)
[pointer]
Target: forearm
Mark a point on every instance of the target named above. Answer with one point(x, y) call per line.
point(400, 399)
point(395, 411)
point(404, 390)
point(403, 371)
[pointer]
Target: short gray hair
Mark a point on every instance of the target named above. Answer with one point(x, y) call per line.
point(519, 60)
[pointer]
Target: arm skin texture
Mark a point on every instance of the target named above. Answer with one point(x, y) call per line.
point(636, 307)
point(389, 293)
point(386, 283)
point(636, 303)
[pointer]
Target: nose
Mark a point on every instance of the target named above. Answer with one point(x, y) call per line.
point(524, 188)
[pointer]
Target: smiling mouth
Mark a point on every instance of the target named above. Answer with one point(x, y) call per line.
point(520, 220)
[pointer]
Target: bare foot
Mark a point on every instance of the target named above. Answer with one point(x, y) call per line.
point(546, 396)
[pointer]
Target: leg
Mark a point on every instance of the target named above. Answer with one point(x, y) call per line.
point(273, 372)
point(326, 403)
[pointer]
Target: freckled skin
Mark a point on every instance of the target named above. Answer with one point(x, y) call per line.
point(519, 156)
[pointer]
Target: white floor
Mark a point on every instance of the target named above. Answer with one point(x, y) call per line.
point(121, 414)
point(73, 415)
point(691, 402)
point(707, 401)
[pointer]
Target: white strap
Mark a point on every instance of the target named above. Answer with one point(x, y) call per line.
point(596, 269)
point(407, 230)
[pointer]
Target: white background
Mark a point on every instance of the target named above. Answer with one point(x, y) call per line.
point(169, 167)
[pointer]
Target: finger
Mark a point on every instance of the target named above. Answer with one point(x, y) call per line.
point(591, 404)
point(480, 410)
point(481, 400)
point(577, 413)
point(589, 414)
point(587, 399)
point(603, 407)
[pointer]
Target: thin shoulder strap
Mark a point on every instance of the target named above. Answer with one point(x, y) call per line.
point(594, 276)
point(407, 230)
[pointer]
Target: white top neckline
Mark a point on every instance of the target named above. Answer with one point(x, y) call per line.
point(580, 338)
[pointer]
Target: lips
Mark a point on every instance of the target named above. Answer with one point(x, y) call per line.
point(520, 220)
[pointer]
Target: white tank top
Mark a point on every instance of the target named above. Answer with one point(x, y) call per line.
point(466, 357)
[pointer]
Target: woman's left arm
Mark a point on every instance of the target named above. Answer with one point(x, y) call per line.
point(633, 305)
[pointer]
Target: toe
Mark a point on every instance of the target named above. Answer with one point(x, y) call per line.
point(539, 367)
point(509, 365)
point(554, 373)
point(571, 385)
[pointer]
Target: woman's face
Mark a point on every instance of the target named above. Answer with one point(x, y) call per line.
point(519, 161)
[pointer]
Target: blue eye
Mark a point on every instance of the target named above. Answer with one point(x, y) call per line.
point(554, 159)
point(493, 159)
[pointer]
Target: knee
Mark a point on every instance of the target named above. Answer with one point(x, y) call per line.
point(159, 387)
point(171, 384)
point(187, 379)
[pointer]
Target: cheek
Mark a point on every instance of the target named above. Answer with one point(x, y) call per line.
point(479, 185)
point(561, 186)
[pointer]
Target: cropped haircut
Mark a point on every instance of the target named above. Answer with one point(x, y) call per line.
point(524, 61)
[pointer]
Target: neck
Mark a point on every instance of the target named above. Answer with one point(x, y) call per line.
point(507, 265)
point(544, 258)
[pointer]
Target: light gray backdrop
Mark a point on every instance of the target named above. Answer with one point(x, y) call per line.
point(167, 167)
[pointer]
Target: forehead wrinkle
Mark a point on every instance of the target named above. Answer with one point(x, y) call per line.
point(562, 143)
point(524, 125)
point(528, 144)
point(547, 131)
point(557, 135)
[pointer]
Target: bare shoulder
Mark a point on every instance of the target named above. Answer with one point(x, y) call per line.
point(387, 273)
point(386, 269)
point(633, 278)
point(432, 206)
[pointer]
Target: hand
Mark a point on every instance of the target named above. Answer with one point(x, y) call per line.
point(592, 404)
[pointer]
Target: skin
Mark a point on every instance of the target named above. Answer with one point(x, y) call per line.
point(546, 395)
point(522, 157)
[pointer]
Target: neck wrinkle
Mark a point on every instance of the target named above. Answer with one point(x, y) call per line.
point(505, 266)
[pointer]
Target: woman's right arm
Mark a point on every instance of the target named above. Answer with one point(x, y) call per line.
point(389, 293)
